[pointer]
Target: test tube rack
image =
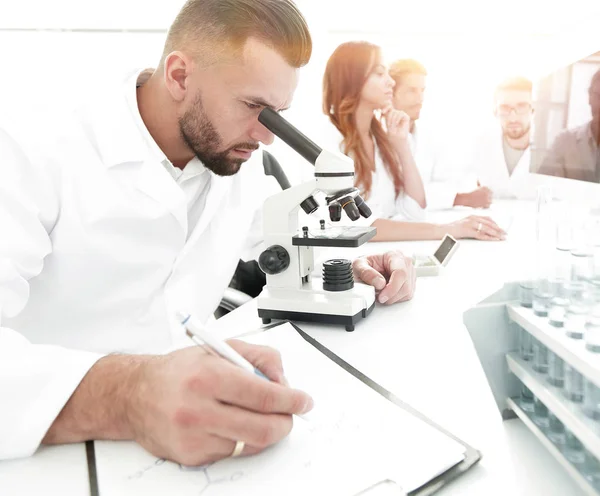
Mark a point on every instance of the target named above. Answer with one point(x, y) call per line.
point(494, 325)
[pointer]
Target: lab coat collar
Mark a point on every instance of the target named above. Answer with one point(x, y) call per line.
point(121, 138)
point(111, 122)
point(131, 85)
point(112, 127)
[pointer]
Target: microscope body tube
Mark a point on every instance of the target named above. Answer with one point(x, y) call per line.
point(334, 171)
point(289, 134)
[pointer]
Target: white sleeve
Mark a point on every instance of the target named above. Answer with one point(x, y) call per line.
point(435, 162)
point(36, 380)
point(408, 209)
point(440, 195)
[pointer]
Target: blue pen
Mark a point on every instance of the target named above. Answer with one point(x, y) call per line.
point(202, 337)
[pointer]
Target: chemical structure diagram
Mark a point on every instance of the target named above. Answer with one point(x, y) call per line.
point(203, 469)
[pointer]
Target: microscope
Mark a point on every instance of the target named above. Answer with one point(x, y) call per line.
point(288, 261)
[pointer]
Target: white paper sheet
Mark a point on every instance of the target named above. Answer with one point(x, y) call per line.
point(51, 470)
point(353, 439)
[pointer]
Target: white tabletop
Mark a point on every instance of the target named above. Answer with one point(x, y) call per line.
point(422, 352)
point(419, 350)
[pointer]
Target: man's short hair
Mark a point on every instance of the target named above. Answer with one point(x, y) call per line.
point(406, 66)
point(205, 28)
point(517, 83)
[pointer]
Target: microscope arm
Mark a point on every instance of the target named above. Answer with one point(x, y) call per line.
point(280, 211)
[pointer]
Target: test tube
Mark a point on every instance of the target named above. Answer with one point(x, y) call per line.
point(582, 264)
point(557, 313)
point(591, 399)
point(526, 399)
point(525, 344)
point(592, 330)
point(593, 321)
point(559, 300)
point(526, 293)
point(540, 357)
point(545, 243)
point(577, 288)
point(573, 449)
point(592, 326)
point(573, 384)
point(541, 297)
point(540, 414)
point(576, 313)
point(556, 430)
point(591, 469)
point(556, 370)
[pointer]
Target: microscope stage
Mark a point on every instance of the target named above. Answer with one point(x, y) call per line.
point(344, 237)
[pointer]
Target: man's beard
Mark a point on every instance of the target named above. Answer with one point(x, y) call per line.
point(202, 138)
point(516, 133)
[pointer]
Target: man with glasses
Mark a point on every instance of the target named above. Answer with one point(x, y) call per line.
point(501, 159)
point(575, 153)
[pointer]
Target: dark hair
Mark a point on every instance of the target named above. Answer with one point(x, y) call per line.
point(205, 26)
point(406, 66)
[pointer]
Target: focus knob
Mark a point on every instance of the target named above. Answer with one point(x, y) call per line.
point(274, 259)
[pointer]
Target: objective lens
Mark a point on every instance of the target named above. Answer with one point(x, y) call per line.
point(335, 212)
point(363, 208)
point(350, 207)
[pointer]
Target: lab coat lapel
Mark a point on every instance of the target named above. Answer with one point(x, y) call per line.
point(153, 180)
point(125, 153)
point(218, 187)
point(523, 166)
point(500, 168)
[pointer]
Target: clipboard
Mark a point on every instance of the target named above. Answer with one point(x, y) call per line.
point(471, 455)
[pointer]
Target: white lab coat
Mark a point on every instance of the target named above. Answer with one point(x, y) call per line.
point(489, 167)
point(95, 256)
point(438, 172)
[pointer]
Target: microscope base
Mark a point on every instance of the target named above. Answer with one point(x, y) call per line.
point(339, 308)
point(348, 321)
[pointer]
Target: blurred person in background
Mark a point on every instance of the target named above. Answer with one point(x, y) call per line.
point(502, 156)
point(357, 99)
point(437, 174)
point(575, 153)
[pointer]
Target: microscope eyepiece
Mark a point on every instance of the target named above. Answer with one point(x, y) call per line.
point(310, 205)
point(350, 208)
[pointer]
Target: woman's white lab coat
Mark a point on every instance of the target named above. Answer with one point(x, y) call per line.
point(489, 167)
point(95, 256)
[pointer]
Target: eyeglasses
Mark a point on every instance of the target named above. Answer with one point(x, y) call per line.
point(521, 108)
